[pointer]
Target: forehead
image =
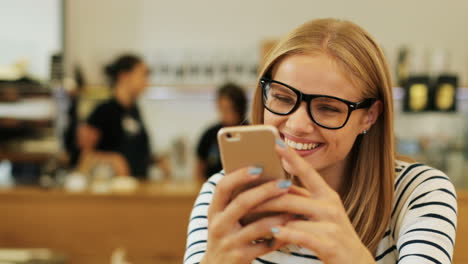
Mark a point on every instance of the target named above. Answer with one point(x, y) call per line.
point(315, 74)
point(140, 67)
point(224, 99)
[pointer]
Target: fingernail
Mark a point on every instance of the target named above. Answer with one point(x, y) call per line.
point(255, 170)
point(280, 143)
point(284, 184)
point(275, 230)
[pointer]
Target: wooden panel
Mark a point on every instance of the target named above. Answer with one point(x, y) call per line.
point(150, 225)
point(461, 243)
point(151, 228)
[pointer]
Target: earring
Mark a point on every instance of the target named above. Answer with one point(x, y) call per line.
point(364, 132)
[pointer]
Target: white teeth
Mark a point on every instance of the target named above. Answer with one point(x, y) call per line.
point(300, 146)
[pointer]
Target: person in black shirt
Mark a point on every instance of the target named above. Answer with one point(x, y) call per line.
point(114, 132)
point(232, 108)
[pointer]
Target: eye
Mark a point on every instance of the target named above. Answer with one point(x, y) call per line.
point(328, 108)
point(283, 98)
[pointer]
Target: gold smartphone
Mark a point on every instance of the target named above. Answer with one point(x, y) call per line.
point(254, 145)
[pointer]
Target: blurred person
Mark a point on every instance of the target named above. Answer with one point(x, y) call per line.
point(70, 141)
point(348, 197)
point(232, 107)
point(114, 132)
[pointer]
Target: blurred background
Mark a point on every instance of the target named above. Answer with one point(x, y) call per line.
point(52, 56)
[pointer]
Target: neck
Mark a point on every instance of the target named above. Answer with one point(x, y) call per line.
point(123, 96)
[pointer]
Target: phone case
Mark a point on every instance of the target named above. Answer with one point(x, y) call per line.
point(254, 145)
point(244, 146)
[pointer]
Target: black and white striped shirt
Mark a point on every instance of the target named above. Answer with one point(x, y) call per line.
point(421, 230)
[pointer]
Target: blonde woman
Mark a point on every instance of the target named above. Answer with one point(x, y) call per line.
point(327, 88)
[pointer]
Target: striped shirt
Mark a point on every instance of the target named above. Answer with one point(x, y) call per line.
point(421, 230)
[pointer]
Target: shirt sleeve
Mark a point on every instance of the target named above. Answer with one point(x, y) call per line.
point(98, 118)
point(197, 234)
point(428, 219)
point(203, 146)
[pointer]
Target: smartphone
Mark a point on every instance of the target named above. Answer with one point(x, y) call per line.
point(243, 146)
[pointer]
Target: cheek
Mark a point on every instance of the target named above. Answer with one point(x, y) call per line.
point(272, 119)
point(140, 79)
point(341, 142)
point(232, 117)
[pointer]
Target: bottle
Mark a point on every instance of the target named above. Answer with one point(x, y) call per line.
point(445, 82)
point(417, 94)
point(445, 93)
point(417, 87)
point(6, 177)
point(402, 66)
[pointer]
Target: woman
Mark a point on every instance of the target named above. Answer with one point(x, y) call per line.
point(327, 89)
point(232, 107)
point(114, 132)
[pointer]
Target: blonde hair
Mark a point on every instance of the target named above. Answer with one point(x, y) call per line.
point(369, 193)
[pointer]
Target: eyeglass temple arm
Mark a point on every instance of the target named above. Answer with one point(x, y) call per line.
point(366, 103)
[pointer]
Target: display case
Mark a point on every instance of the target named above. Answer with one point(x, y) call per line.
point(27, 128)
point(437, 138)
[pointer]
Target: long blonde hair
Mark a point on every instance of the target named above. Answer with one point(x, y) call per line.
point(369, 189)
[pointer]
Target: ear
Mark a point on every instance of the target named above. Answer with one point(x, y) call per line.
point(372, 114)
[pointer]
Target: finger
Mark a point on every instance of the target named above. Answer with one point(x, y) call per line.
point(229, 183)
point(298, 205)
point(253, 251)
point(299, 191)
point(321, 237)
point(261, 229)
point(251, 198)
point(305, 234)
point(311, 179)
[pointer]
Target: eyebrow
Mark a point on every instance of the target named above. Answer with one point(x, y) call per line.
point(283, 83)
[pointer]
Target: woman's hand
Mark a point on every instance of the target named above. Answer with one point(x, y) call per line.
point(323, 226)
point(91, 159)
point(229, 241)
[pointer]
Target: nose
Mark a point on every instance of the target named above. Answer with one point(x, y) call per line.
point(299, 121)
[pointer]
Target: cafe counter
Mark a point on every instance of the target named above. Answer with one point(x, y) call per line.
point(150, 224)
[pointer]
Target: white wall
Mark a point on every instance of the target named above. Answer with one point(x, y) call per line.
point(97, 30)
point(31, 31)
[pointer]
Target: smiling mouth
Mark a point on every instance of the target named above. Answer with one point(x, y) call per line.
point(301, 146)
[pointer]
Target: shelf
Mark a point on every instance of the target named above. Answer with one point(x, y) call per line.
point(38, 157)
point(12, 123)
point(208, 92)
point(12, 92)
point(30, 109)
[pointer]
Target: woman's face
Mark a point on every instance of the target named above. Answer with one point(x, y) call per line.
point(317, 75)
point(227, 113)
point(137, 78)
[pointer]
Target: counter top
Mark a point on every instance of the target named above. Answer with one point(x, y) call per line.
point(144, 190)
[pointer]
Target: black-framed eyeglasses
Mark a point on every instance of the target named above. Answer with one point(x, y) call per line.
point(326, 111)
